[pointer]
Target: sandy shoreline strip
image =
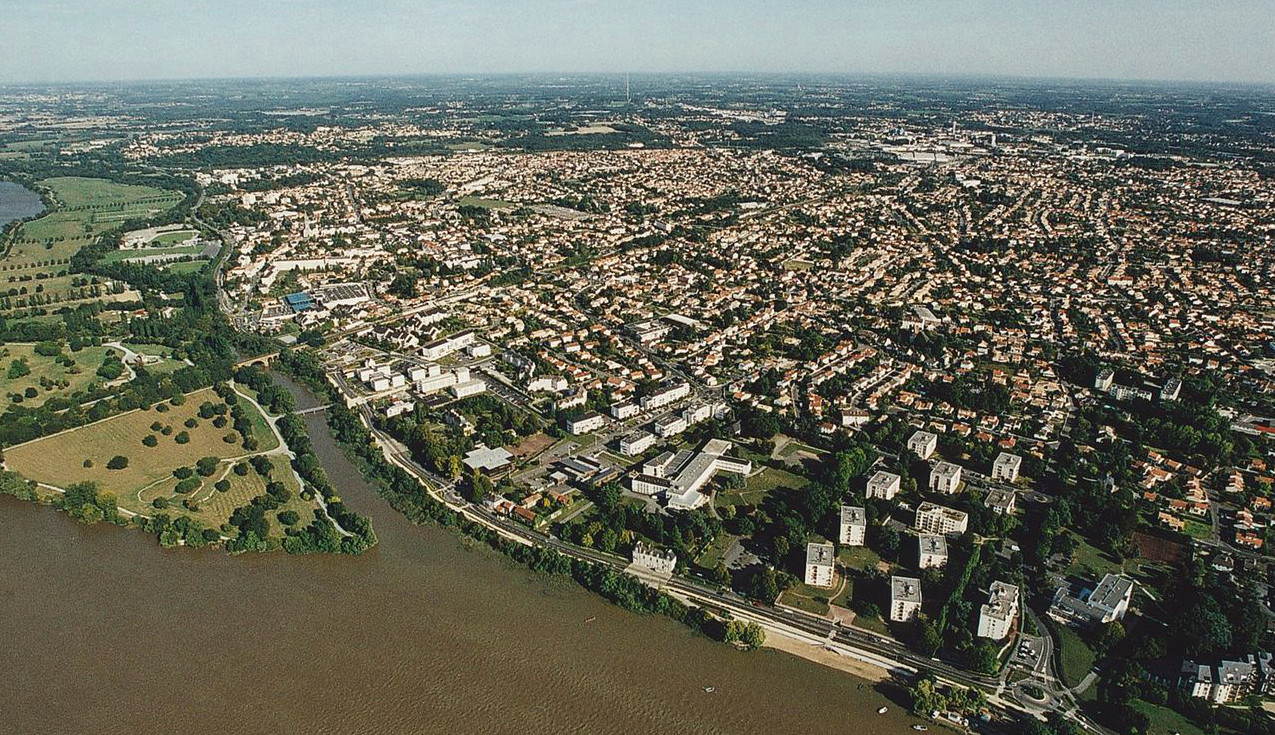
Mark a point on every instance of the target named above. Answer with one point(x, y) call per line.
point(821, 655)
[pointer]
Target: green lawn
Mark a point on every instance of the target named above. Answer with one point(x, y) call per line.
point(803, 598)
point(858, 558)
point(760, 485)
point(712, 554)
point(1075, 656)
point(173, 238)
point(1165, 721)
point(48, 376)
point(485, 203)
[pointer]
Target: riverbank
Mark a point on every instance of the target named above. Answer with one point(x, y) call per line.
point(824, 657)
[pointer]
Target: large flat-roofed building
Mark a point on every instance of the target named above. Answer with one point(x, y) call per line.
point(819, 565)
point(935, 518)
point(1107, 601)
point(945, 478)
point(931, 551)
point(679, 477)
point(905, 598)
point(923, 444)
point(489, 461)
point(1006, 467)
point(996, 617)
point(854, 525)
point(884, 485)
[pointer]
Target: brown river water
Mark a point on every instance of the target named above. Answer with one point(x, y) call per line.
point(102, 631)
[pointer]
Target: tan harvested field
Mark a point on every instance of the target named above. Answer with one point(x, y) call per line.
point(59, 460)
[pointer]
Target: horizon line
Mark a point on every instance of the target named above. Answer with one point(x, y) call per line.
point(829, 75)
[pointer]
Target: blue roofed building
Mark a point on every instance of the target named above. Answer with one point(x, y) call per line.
point(299, 301)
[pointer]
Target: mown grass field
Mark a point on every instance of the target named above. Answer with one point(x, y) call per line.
point(48, 376)
point(759, 486)
point(60, 459)
point(214, 507)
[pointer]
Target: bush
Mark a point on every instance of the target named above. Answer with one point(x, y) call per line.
point(118, 462)
point(150, 440)
point(206, 465)
point(187, 485)
point(220, 422)
point(191, 422)
point(222, 485)
point(160, 503)
point(88, 463)
point(181, 473)
point(230, 438)
point(241, 469)
point(161, 408)
point(288, 517)
point(182, 438)
point(178, 400)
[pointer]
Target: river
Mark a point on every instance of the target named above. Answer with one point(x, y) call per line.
point(17, 202)
point(105, 632)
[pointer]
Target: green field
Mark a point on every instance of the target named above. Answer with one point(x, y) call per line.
point(1165, 721)
point(759, 486)
point(59, 460)
point(37, 256)
point(1075, 657)
point(484, 203)
point(48, 376)
point(173, 238)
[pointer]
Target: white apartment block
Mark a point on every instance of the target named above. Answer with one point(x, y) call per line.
point(670, 426)
point(931, 551)
point(996, 617)
point(665, 396)
point(854, 526)
point(1006, 467)
point(468, 388)
point(935, 518)
point(634, 444)
point(945, 478)
point(905, 598)
point(622, 411)
point(884, 485)
point(583, 424)
point(819, 565)
point(923, 444)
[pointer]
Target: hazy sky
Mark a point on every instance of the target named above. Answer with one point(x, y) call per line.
point(72, 40)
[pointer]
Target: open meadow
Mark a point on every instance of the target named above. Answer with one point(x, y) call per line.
point(35, 268)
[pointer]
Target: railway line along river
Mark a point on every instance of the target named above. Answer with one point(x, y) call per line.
point(105, 632)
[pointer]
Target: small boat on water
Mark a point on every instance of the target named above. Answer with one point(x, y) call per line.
point(709, 690)
point(590, 620)
point(883, 710)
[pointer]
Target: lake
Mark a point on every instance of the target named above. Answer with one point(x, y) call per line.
point(17, 202)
